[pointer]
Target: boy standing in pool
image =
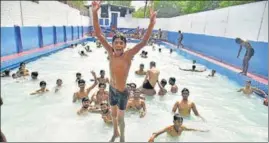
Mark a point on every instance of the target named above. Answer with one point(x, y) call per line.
point(119, 64)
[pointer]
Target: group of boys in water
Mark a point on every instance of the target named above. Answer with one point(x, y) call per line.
point(126, 96)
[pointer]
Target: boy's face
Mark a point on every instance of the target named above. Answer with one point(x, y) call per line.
point(104, 108)
point(177, 123)
point(43, 86)
point(118, 46)
point(85, 104)
point(59, 82)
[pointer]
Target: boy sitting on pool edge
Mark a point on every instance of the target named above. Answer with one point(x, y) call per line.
point(119, 63)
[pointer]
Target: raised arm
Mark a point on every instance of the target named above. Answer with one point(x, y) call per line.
point(155, 135)
point(146, 37)
point(97, 29)
point(239, 50)
point(175, 107)
point(260, 91)
point(241, 89)
point(189, 129)
point(193, 107)
point(94, 84)
point(74, 98)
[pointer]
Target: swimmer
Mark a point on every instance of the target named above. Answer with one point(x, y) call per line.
point(78, 76)
point(153, 47)
point(3, 137)
point(42, 89)
point(85, 106)
point(248, 55)
point(171, 51)
point(142, 53)
point(213, 72)
point(102, 78)
point(22, 70)
point(5, 73)
point(82, 92)
point(34, 75)
point(248, 89)
point(160, 50)
point(193, 68)
point(100, 96)
point(172, 82)
point(131, 88)
point(162, 90)
point(59, 83)
point(184, 106)
point(87, 48)
point(83, 54)
point(265, 101)
point(141, 70)
point(150, 80)
point(137, 104)
point(120, 63)
point(105, 112)
point(174, 130)
point(14, 76)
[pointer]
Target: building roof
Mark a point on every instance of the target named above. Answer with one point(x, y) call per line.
point(117, 6)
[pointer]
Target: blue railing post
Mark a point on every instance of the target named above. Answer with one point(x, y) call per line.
point(82, 31)
point(78, 31)
point(18, 38)
point(54, 35)
point(64, 33)
point(40, 36)
point(72, 31)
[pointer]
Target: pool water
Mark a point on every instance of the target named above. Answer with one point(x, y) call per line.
point(230, 116)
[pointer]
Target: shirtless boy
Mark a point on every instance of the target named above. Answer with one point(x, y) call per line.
point(151, 80)
point(42, 89)
point(82, 92)
point(174, 130)
point(105, 112)
point(100, 96)
point(137, 104)
point(162, 90)
point(85, 106)
point(141, 70)
point(247, 90)
point(102, 78)
point(185, 106)
point(172, 82)
point(119, 63)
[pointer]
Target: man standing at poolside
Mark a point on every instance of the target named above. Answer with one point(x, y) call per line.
point(151, 79)
point(249, 53)
point(119, 63)
point(180, 38)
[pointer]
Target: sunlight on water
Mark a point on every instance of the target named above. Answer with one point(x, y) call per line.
point(52, 117)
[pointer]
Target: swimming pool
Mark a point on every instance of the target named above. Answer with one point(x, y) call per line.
point(230, 116)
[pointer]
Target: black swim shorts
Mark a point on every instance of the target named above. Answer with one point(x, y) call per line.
point(147, 85)
point(118, 98)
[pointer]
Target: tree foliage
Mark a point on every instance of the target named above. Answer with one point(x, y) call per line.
point(176, 8)
point(121, 3)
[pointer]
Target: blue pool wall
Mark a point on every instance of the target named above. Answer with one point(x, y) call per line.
point(209, 41)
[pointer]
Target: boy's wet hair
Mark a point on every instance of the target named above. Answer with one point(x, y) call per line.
point(34, 74)
point(58, 80)
point(185, 89)
point(22, 63)
point(163, 82)
point(248, 81)
point(104, 103)
point(85, 99)
point(102, 71)
point(152, 63)
point(142, 65)
point(172, 80)
point(120, 36)
point(214, 71)
point(178, 117)
point(179, 31)
point(42, 83)
point(7, 72)
point(146, 53)
point(78, 74)
point(81, 81)
point(238, 40)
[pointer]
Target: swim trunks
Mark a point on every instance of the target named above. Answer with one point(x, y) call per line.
point(118, 98)
point(147, 85)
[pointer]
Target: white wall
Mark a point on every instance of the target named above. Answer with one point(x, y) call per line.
point(248, 21)
point(44, 13)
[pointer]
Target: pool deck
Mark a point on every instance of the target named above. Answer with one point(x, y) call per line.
point(225, 65)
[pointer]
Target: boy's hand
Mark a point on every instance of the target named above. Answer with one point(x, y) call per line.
point(95, 6)
point(93, 73)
